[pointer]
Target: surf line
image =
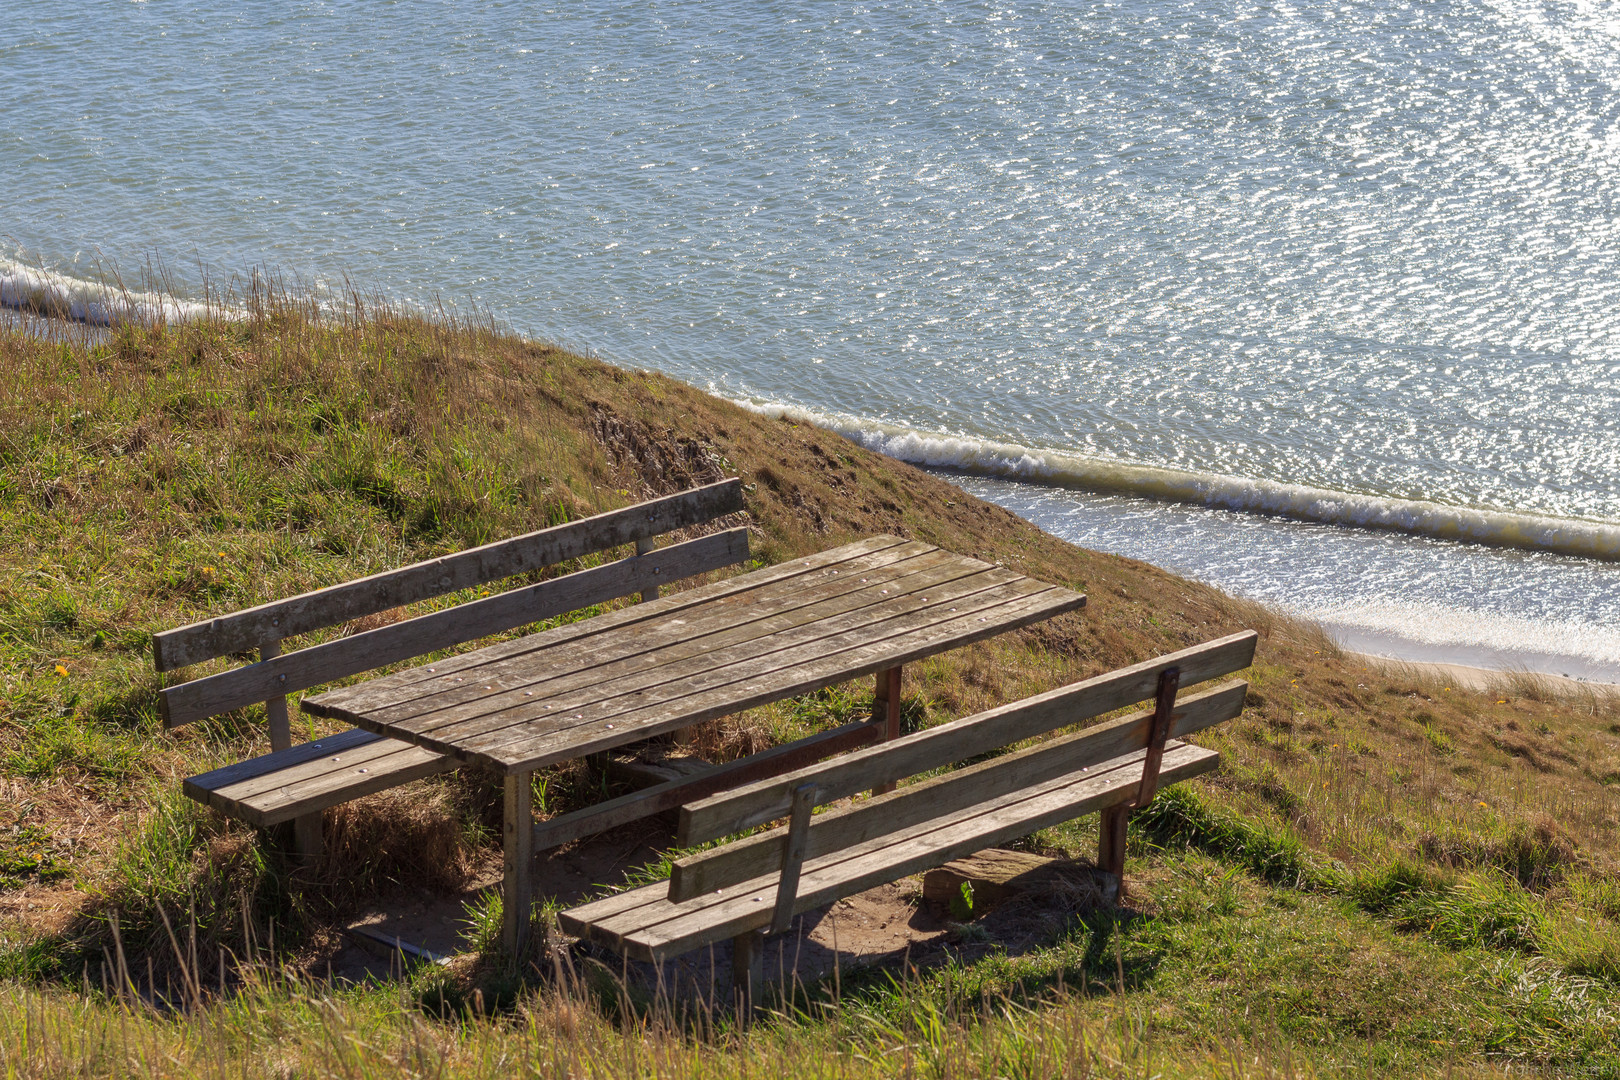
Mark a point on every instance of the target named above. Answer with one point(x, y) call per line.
point(51, 295)
point(979, 457)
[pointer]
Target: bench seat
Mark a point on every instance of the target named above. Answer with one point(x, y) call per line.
point(645, 924)
point(277, 787)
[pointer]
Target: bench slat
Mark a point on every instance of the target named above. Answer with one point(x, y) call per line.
point(313, 750)
point(273, 788)
point(435, 577)
point(644, 923)
point(756, 804)
point(311, 771)
point(284, 674)
point(669, 795)
point(742, 860)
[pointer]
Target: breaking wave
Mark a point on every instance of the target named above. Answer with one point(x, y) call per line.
point(96, 303)
point(980, 457)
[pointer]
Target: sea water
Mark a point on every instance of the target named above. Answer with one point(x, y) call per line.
point(1305, 300)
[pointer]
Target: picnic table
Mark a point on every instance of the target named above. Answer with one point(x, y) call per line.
point(866, 608)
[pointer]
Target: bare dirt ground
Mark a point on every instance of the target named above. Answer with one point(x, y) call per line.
point(887, 925)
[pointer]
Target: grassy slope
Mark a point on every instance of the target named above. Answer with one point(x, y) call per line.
point(1386, 871)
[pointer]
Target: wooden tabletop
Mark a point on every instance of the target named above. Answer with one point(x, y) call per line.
point(658, 666)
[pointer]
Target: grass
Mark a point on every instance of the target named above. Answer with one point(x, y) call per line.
point(1388, 874)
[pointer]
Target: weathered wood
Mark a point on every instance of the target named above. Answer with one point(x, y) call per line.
point(573, 646)
point(1163, 707)
point(442, 629)
point(747, 971)
point(530, 690)
point(640, 773)
point(886, 710)
point(309, 840)
point(723, 692)
point(386, 946)
point(798, 830)
point(517, 877)
point(1111, 844)
point(991, 876)
point(280, 760)
point(646, 545)
point(742, 860)
point(277, 798)
point(300, 774)
point(759, 803)
point(669, 795)
point(504, 699)
point(628, 655)
point(275, 709)
point(648, 926)
point(435, 577)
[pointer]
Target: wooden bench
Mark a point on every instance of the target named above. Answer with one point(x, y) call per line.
point(294, 783)
point(744, 889)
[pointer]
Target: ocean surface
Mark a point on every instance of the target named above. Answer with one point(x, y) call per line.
point(1317, 302)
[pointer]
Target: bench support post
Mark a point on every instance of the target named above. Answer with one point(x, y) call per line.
point(643, 546)
point(787, 888)
point(747, 971)
point(517, 881)
point(1111, 844)
point(276, 708)
point(308, 845)
point(1112, 828)
point(886, 709)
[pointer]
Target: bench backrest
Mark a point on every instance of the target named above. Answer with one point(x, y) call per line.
point(799, 792)
point(264, 627)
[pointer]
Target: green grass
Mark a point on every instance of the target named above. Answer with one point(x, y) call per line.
point(1387, 876)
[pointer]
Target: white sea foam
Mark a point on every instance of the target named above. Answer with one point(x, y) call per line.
point(98, 303)
point(982, 457)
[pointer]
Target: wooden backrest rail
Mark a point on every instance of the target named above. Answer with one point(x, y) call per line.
point(270, 623)
point(834, 830)
point(755, 804)
point(278, 675)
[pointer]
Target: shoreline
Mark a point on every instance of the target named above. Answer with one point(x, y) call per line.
point(1466, 677)
point(1474, 666)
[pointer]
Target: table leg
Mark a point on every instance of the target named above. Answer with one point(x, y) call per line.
point(517, 883)
point(886, 707)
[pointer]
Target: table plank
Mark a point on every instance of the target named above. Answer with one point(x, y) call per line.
point(607, 700)
point(403, 685)
point(796, 671)
point(531, 691)
point(706, 652)
point(532, 678)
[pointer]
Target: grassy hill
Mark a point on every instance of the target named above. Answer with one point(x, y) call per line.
point(1387, 874)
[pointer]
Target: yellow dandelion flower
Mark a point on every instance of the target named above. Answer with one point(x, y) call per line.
point(1485, 805)
point(61, 669)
